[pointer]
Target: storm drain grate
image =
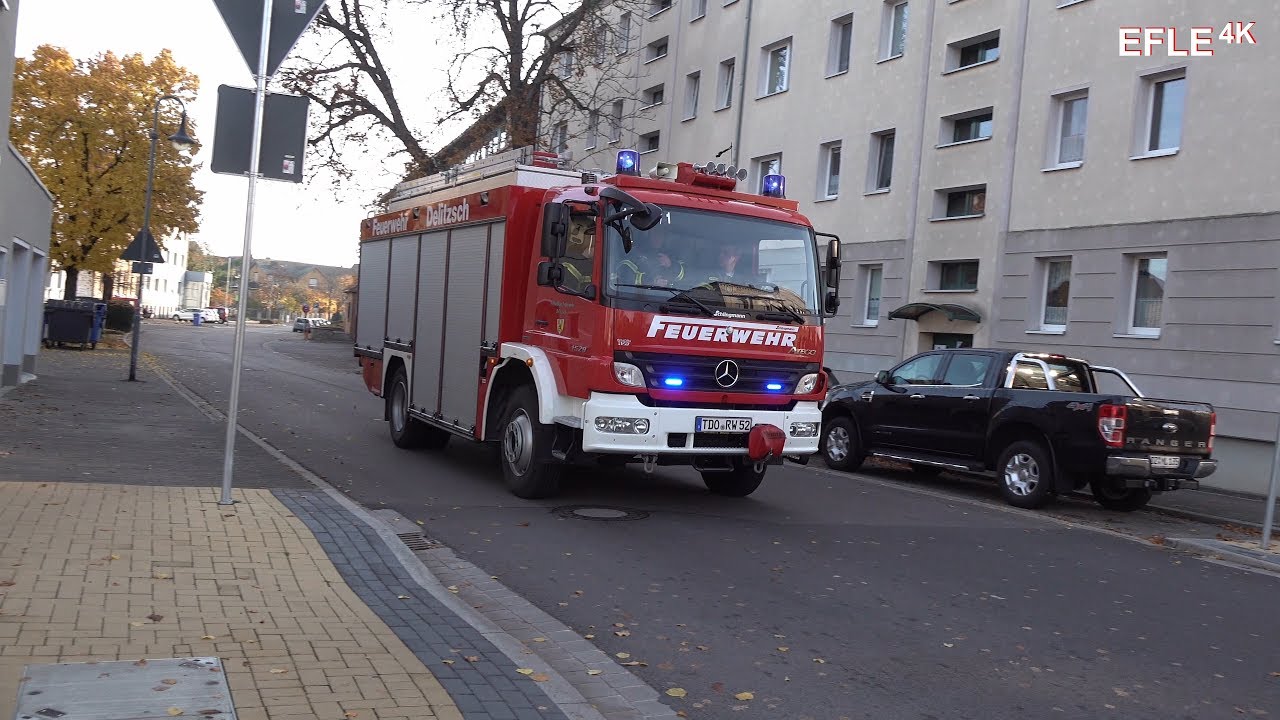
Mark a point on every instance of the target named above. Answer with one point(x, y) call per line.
point(599, 512)
point(417, 541)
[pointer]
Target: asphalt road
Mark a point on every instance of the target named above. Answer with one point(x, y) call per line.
point(824, 595)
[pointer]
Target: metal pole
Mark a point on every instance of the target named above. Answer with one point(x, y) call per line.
point(227, 292)
point(1269, 522)
point(237, 357)
point(146, 235)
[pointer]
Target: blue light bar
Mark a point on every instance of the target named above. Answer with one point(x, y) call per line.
point(773, 186)
point(628, 162)
point(773, 386)
point(673, 382)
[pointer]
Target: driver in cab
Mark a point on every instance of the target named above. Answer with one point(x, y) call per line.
point(580, 253)
point(650, 262)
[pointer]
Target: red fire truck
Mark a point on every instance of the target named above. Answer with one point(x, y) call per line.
point(573, 318)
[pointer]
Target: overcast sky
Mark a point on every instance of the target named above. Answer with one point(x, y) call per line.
point(292, 222)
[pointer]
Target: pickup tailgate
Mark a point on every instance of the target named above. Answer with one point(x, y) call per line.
point(1169, 426)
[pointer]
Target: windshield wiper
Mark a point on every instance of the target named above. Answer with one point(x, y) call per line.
point(784, 308)
point(675, 293)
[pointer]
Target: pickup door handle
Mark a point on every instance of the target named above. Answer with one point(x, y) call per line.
point(542, 323)
point(972, 397)
point(917, 396)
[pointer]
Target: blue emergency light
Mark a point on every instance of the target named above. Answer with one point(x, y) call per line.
point(773, 186)
point(773, 386)
point(673, 382)
point(628, 162)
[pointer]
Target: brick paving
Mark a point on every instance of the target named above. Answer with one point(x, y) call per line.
point(119, 572)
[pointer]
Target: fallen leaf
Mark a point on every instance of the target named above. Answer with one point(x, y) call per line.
point(820, 661)
point(525, 671)
point(539, 639)
point(113, 556)
point(472, 658)
point(161, 576)
point(681, 713)
point(523, 524)
point(703, 647)
point(452, 588)
point(206, 637)
point(594, 672)
point(676, 692)
point(636, 663)
point(447, 662)
point(421, 523)
point(622, 633)
point(717, 687)
point(589, 637)
point(745, 696)
point(155, 618)
point(136, 624)
point(6, 583)
point(666, 666)
point(173, 711)
point(539, 677)
point(169, 681)
point(277, 671)
point(1275, 674)
point(352, 714)
point(947, 645)
point(783, 648)
point(402, 597)
point(623, 656)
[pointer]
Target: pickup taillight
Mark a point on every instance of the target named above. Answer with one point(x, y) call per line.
point(1213, 428)
point(1111, 424)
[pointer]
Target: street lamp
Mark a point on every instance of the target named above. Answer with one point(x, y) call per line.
point(181, 141)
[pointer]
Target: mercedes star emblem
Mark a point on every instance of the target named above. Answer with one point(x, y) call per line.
point(727, 373)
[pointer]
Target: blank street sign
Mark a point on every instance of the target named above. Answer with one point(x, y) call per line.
point(284, 134)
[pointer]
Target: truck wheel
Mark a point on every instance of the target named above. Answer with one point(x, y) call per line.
point(407, 432)
point(527, 465)
point(741, 481)
point(1026, 475)
point(840, 446)
point(1112, 496)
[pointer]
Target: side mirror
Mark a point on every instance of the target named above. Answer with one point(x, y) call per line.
point(882, 378)
point(555, 230)
point(550, 274)
point(833, 263)
point(832, 305)
point(652, 215)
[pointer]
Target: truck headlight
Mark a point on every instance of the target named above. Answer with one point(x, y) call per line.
point(804, 429)
point(623, 425)
point(627, 374)
point(807, 384)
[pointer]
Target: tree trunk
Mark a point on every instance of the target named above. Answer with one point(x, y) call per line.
point(73, 280)
point(108, 286)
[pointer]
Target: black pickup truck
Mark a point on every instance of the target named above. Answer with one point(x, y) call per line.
point(1038, 422)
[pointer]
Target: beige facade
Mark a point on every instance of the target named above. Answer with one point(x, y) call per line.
point(1053, 193)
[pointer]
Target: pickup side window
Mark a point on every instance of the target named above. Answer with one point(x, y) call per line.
point(1066, 377)
point(967, 370)
point(918, 371)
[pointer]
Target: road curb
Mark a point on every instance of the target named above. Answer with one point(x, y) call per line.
point(1219, 550)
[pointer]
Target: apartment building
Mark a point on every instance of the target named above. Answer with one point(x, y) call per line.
point(999, 174)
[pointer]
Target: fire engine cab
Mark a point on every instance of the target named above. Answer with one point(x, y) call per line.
point(589, 318)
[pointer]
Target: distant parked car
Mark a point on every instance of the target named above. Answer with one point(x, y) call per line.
point(301, 324)
point(188, 314)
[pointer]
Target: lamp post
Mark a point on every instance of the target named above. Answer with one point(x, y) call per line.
point(181, 140)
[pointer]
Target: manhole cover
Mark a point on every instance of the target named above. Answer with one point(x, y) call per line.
point(599, 512)
point(140, 690)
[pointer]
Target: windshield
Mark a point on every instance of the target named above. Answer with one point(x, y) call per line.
point(716, 260)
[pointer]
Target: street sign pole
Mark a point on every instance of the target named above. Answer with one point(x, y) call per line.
point(237, 358)
point(1269, 522)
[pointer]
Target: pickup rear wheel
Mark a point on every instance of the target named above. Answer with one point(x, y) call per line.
point(527, 466)
point(1112, 496)
point(840, 446)
point(741, 481)
point(406, 432)
point(1026, 475)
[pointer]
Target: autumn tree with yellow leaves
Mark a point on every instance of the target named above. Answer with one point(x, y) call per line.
point(85, 126)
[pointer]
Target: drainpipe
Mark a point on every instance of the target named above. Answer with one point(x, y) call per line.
point(917, 158)
point(742, 85)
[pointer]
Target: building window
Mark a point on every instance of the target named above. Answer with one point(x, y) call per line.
point(830, 171)
point(312, 282)
point(1166, 103)
point(697, 9)
point(656, 50)
point(881, 167)
point(840, 45)
point(658, 6)
point(871, 303)
point(776, 68)
point(615, 122)
point(893, 41)
point(566, 64)
point(622, 41)
point(1057, 294)
point(653, 96)
point(593, 129)
point(962, 202)
point(973, 51)
point(768, 165)
point(724, 85)
point(967, 127)
point(650, 142)
point(600, 44)
point(692, 84)
point(560, 137)
point(1071, 117)
point(1150, 273)
point(961, 275)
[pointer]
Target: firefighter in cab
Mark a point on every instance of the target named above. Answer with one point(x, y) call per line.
point(580, 253)
point(651, 262)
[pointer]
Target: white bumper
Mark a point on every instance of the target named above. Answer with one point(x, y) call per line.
point(663, 422)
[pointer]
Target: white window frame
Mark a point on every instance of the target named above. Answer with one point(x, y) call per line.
point(644, 142)
point(865, 319)
point(560, 136)
point(651, 49)
point(830, 150)
point(593, 129)
point(942, 198)
point(725, 78)
point(947, 128)
point(1046, 265)
point(1053, 159)
point(759, 163)
point(1135, 265)
point(616, 112)
point(873, 160)
point(1146, 112)
point(647, 96)
point(692, 89)
point(834, 58)
point(697, 9)
point(887, 33)
point(766, 66)
point(564, 64)
point(956, 49)
point(661, 7)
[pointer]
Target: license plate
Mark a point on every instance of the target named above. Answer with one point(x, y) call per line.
point(1166, 462)
point(722, 425)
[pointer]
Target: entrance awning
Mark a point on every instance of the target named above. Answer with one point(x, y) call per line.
point(913, 311)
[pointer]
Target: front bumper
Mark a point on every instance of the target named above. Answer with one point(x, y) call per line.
point(671, 430)
point(1135, 471)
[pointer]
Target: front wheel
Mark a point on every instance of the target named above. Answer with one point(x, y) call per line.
point(741, 481)
point(1026, 475)
point(840, 446)
point(527, 465)
point(1110, 495)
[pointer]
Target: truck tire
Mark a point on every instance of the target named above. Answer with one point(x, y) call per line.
point(1026, 476)
point(406, 432)
point(1110, 495)
point(527, 466)
point(741, 481)
point(840, 446)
